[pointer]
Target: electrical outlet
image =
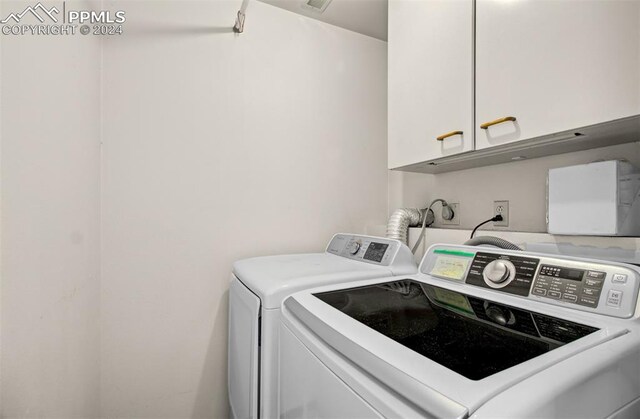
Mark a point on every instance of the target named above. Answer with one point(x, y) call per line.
point(502, 208)
point(455, 221)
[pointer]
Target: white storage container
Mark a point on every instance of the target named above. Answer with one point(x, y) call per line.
point(596, 199)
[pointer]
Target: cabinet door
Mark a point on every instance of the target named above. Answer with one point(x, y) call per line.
point(430, 79)
point(554, 66)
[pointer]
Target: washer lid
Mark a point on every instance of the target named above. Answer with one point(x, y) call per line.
point(438, 385)
point(472, 336)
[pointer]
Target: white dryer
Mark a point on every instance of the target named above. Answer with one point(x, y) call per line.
point(258, 287)
point(479, 332)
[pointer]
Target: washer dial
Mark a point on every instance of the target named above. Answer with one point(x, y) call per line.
point(499, 273)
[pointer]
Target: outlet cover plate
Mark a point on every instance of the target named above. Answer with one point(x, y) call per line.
point(502, 208)
point(455, 221)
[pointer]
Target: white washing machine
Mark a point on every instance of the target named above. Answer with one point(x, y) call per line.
point(258, 287)
point(479, 332)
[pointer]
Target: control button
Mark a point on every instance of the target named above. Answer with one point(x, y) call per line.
point(614, 298)
point(540, 291)
point(596, 274)
point(592, 292)
point(554, 294)
point(571, 287)
point(587, 301)
point(594, 282)
point(620, 278)
point(570, 297)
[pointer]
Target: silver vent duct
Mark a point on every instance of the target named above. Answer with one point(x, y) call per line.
point(402, 219)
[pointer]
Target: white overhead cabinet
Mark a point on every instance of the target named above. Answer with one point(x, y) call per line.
point(430, 79)
point(554, 66)
point(533, 68)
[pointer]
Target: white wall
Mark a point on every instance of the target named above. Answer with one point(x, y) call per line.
point(218, 147)
point(522, 183)
point(50, 175)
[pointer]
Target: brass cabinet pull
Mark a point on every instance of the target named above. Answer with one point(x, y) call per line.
point(448, 134)
point(497, 121)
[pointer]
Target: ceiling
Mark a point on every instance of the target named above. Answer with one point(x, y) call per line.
point(368, 17)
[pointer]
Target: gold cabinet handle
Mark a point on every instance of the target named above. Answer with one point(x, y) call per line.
point(448, 134)
point(497, 121)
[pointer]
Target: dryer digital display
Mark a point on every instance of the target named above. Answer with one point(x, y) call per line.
point(375, 251)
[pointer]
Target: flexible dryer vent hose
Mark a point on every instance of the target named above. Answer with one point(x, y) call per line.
point(492, 241)
point(401, 220)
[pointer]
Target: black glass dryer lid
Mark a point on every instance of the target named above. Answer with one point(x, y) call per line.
point(473, 337)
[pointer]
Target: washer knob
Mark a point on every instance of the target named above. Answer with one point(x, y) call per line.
point(354, 247)
point(498, 271)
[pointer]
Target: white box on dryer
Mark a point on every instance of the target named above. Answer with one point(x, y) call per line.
point(594, 199)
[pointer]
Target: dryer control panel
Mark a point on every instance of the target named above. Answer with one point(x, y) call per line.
point(375, 250)
point(608, 288)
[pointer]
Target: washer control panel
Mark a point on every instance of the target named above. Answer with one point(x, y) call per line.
point(508, 273)
point(608, 288)
point(578, 286)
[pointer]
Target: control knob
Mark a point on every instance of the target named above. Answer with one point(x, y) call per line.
point(498, 272)
point(354, 247)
